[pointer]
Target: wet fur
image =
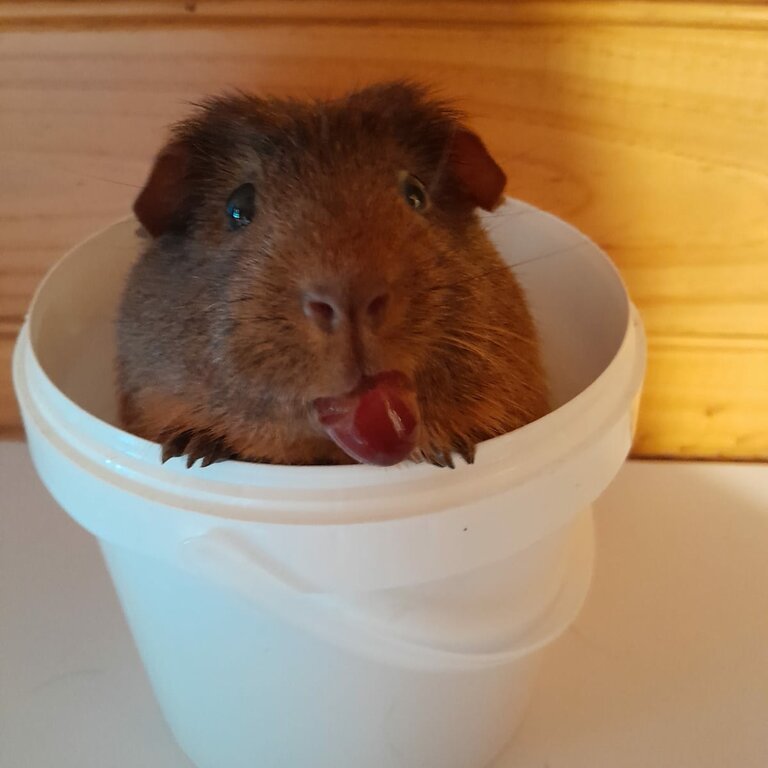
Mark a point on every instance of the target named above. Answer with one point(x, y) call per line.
point(215, 357)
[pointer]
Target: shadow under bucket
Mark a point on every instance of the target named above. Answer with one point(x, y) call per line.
point(354, 615)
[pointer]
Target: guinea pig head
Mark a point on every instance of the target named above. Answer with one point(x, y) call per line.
point(328, 236)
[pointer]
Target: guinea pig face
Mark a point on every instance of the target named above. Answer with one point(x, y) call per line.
point(335, 230)
point(336, 278)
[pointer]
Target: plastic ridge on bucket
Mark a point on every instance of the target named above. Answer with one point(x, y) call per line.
point(219, 552)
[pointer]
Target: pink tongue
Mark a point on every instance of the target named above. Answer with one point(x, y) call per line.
point(376, 423)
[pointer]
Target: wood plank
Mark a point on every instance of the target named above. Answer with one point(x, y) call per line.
point(644, 124)
point(102, 14)
point(705, 399)
point(10, 421)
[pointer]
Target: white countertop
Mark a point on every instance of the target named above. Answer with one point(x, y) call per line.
point(667, 666)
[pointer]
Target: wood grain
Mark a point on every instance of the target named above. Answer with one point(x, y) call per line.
point(643, 123)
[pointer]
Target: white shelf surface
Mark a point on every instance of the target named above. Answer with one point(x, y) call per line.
point(667, 666)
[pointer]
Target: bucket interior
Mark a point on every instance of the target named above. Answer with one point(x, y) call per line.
point(576, 296)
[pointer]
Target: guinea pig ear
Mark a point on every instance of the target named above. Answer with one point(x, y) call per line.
point(476, 170)
point(159, 201)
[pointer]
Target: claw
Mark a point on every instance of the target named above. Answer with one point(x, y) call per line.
point(209, 459)
point(199, 448)
point(175, 446)
point(466, 450)
point(217, 451)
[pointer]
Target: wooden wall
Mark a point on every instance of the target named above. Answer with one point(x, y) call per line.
point(643, 123)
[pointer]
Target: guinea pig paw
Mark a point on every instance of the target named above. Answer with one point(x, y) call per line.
point(443, 457)
point(438, 457)
point(196, 445)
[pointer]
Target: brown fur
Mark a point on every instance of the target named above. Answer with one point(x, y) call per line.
point(215, 355)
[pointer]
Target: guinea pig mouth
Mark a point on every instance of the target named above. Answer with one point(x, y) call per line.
point(377, 422)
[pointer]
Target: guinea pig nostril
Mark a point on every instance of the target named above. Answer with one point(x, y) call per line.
point(322, 313)
point(378, 306)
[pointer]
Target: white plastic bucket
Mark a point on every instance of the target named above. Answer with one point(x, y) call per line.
point(343, 616)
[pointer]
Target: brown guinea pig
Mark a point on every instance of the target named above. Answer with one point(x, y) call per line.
point(316, 278)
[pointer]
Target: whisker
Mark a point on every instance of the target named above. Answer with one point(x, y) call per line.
point(504, 267)
point(495, 331)
point(492, 361)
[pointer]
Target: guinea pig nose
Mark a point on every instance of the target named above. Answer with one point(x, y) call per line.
point(322, 310)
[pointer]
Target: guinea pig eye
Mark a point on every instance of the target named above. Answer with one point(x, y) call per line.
point(413, 191)
point(241, 206)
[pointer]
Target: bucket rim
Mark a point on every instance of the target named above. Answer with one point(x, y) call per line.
point(129, 456)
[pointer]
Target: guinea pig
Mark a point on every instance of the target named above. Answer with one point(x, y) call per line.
point(317, 287)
